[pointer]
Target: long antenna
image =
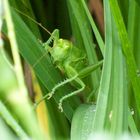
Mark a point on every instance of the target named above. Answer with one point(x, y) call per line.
point(39, 24)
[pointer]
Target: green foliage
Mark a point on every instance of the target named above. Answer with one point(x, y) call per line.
point(114, 102)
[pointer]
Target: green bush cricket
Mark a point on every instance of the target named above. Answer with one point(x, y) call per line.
point(70, 60)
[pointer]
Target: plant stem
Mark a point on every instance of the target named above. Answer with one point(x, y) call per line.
point(14, 48)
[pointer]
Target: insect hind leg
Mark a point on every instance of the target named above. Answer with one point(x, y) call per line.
point(49, 95)
point(80, 82)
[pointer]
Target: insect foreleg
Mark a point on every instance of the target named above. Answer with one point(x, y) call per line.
point(54, 36)
point(80, 82)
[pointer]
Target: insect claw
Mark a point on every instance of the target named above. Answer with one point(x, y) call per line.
point(60, 107)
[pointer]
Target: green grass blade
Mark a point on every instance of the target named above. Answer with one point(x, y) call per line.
point(94, 28)
point(112, 99)
point(134, 36)
point(19, 93)
point(96, 122)
point(32, 51)
point(85, 114)
point(25, 7)
point(134, 29)
point(104, 89)
point(5, 132)
point(132, 124)
point(124, 6)
point(14, 48)
point(12, 122)
point(138, 1)
point(18, 103)
point(83, 36)
point(119, 119)
point(132, 68)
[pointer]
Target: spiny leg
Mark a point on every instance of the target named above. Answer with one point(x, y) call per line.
point(49, 95)
point(61, 84)
point(80, 82)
